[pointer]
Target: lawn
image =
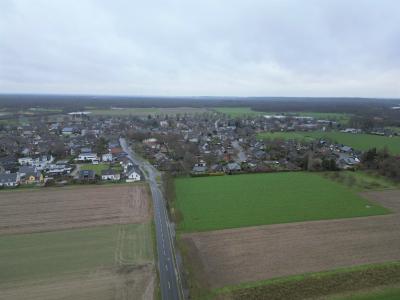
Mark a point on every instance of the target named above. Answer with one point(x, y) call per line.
point(100, 167)
point(357, 141)
point(211, 203)
point(51, 254)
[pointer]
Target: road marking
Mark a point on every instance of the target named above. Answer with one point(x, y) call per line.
point(169, 285)
point(166, 267)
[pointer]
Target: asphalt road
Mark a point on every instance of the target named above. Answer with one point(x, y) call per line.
point(170, 283)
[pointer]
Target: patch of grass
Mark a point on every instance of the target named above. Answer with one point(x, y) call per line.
point(100, 167)
point(356, 141)
point(210, 203)
point(315, 285)
point(384, 293)
point(50, 254)
point(361, 181)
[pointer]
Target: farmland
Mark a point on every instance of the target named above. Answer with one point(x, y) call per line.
point(140, 111)
point(357, 141)
point(232, 258)
point(211, 203)
point(237, 111)
point(76, 243)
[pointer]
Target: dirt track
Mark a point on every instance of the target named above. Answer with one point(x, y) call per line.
point(229, 257)
point(72, 207)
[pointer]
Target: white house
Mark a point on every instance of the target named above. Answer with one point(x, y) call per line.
point(88, 156)
point(40, 163)
point(107, 157)
point(132, 176)
point(110, 174)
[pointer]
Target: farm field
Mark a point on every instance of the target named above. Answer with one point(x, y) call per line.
point(232, 257)
point(339, 117)
point(140, 111)
point(357, 141)
point(76, 243)
point(211, 203)
point(25, 211)
point(237, 111)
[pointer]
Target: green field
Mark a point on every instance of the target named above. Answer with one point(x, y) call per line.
point(338, 117)
point(360, 181)
point(385, 294)
point(51, 254)
point(237, 111)
point(356, 141)
point(365, 282)
point(211, 203)
point(145, 111)
point(100, 167)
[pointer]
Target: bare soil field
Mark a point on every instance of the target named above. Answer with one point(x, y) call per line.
point(72, 207)
point(233, 256)
point(135, 283)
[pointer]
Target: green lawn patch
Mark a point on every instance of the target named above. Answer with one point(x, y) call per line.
point(356, 141)
point(210, 203)
point(46, 255)
point(100, 167)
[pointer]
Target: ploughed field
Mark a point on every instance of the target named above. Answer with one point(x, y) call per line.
point(24, 211)
point(211, 203)
point(76, 243)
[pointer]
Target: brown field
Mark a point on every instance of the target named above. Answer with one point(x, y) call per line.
point(229, 257)
point(102, 285)
point(72, 207)
point(126, 273)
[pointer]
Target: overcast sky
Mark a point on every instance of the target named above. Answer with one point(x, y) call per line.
point(204, 47)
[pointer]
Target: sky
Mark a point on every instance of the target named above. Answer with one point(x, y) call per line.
point(201, 48)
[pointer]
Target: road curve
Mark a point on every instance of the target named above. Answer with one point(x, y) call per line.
point(170, 283)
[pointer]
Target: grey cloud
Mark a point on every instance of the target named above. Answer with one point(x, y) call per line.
point(225, 47)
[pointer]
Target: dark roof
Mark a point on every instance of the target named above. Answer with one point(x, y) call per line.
point(6, 178)
point(89, 174)
point(108, 172)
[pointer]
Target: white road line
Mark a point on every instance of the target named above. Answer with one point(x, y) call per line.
point(169, 285)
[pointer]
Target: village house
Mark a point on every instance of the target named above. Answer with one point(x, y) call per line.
point(132, 175)
point(110, 174)
point(9, 179)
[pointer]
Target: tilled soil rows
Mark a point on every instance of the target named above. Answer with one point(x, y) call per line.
point(72, 207)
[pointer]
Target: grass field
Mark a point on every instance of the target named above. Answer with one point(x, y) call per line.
point(237, 111)
point(362, 181)
point(382, 294)
point(211, 203)
point(338, 117)
point(50, 254)
point(100, 167)
point(145, 111)
point(369, 282)
point(357, 141)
